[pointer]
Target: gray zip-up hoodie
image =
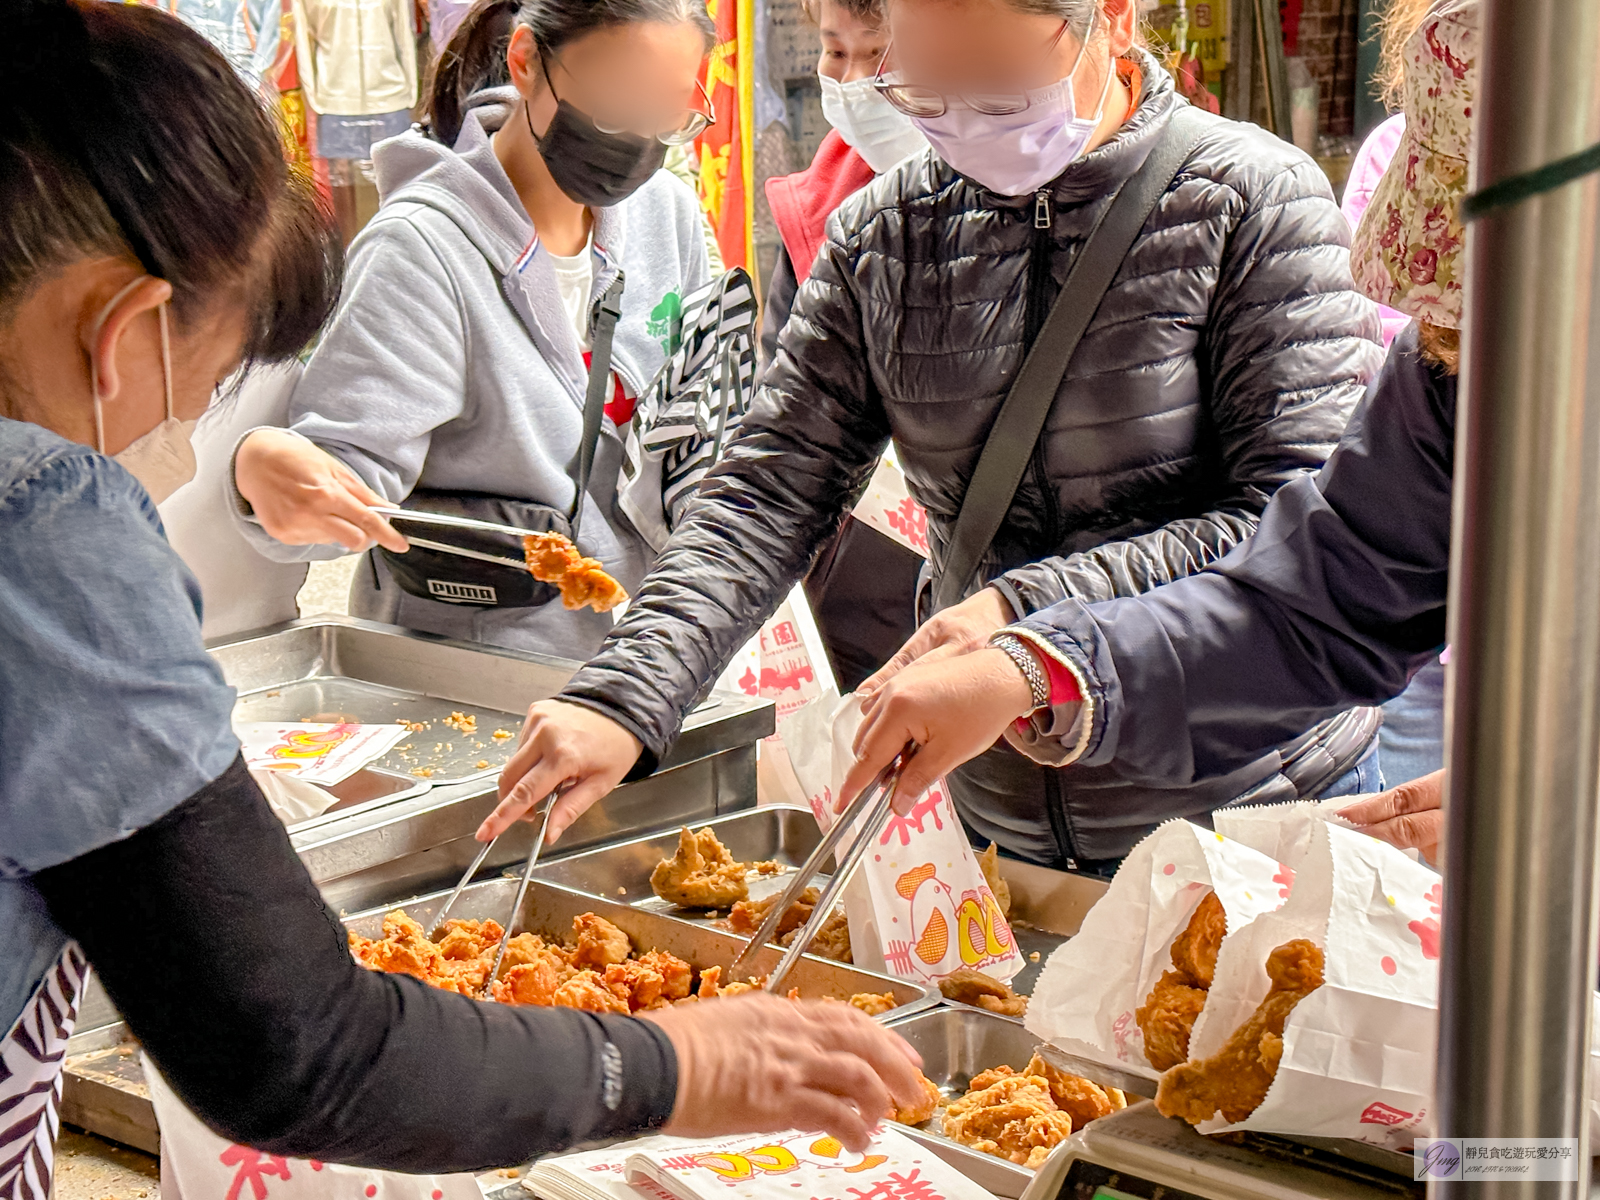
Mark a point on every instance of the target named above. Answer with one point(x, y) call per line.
point(451, 363)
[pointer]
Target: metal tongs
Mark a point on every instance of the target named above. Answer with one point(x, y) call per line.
point(873, 805)
point(428, 518)
point(522, 888)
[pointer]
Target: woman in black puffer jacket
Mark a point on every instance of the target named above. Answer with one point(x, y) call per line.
point(1223, 361)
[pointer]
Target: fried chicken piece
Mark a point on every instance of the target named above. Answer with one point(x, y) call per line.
point(1235, 1080)
point(966, 986)
point(924, 1108)
point(588, 991)
point(987, 1079)
point(1010, 1118)
point(1081, 1099)
point(677, 976)
point(746, 916)
point(600, 943)
point(1194, 953)
point(549, 556)
point(586, 585)
point(552, 558)
point(469, 939)
point(874, 1004)
point(989, 864)
point(634, 983)
point(1167, 1018)
point(405, 949)
point(710, 981)
point(832, 940)
point(533, 982)
point(528, 948)
point(702, 874)
point(1173, 1005)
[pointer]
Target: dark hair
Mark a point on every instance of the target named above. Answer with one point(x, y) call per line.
point(871, 11)
point(475, 57)
point(124, 132)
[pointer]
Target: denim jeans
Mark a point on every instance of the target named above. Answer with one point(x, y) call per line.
point(1360, 779)
point(1411, 742)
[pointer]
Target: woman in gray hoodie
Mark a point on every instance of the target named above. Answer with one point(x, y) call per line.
point(457, 359)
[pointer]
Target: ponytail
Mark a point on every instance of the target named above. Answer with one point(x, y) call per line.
point(475, 57)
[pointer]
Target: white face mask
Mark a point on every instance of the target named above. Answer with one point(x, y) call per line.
point(1020, 152)
point(874, 128)
point(163, 459)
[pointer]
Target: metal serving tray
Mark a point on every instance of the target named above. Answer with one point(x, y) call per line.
point(548, 910)
point(956, 1043)
point(1047, 906)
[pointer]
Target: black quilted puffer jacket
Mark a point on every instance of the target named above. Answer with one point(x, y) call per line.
point(1224, 360)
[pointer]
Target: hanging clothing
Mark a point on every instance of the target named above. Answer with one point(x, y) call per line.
point(246, 31)
point(356, 57)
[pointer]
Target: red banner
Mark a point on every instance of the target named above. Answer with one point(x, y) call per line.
point(727, 149)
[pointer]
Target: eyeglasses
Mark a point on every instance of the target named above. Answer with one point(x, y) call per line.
point(917, 101)
point(689, 124)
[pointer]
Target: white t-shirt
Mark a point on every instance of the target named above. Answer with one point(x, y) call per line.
point(575, 280)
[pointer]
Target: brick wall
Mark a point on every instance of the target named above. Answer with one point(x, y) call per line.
point(1328, 45)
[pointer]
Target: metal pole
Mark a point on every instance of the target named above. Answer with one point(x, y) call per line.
point(1519, 916)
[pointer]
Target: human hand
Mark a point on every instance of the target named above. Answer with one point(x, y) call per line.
point(952, 708)
point(759, 1064)
point(561, 743)
point(1410, 816)
point(304, 496)
point(957, 630)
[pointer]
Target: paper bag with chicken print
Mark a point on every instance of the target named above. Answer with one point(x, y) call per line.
point(1091, 989)
point(919, 906)
point(1357, 1054)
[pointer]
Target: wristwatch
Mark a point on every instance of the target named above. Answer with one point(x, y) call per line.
point(1019, 652)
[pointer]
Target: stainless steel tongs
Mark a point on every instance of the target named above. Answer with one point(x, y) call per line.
point(873, 804)
point(522, 888)
point(441, 519)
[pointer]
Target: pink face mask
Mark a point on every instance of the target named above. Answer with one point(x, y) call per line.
point(1018, 153)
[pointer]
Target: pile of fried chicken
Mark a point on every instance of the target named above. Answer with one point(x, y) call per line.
point(1233, 1081)
point(1023, 1115)
point(552, 558)
point(594, 969)
point(1169, 1012)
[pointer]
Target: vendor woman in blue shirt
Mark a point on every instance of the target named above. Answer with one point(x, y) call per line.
point(153, 240)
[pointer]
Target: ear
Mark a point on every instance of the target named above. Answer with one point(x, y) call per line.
point(1122, 24)
point(524, 64)
point(106, 345)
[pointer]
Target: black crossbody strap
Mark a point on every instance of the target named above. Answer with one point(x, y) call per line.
point(607, 311)
point(1021, 418)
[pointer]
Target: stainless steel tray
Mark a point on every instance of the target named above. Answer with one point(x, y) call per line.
point(548, 910)
point(956, 1043)
point(1047, 906)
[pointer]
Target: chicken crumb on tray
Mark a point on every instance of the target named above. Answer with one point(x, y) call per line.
point(594, 968)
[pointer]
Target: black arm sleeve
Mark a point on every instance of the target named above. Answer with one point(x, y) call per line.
point(224, 960)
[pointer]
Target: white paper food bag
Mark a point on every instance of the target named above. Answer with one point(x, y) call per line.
point(919, 906)
point(1085, 999)
point(887, 506)
point(1358, 1054)
point(197, 1164)
point(786, 663)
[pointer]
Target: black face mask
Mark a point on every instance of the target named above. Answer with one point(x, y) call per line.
point(595, 168)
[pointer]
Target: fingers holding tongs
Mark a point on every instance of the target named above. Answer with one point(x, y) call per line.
point(873, 804)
